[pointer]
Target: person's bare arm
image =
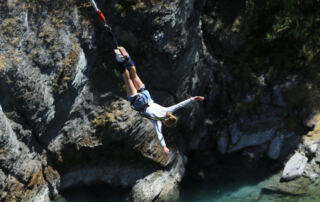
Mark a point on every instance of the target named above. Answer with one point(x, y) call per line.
point(184, 103)
point(157, 126)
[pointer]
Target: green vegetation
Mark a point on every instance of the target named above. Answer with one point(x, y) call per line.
point(285, 40)
point(284, 46)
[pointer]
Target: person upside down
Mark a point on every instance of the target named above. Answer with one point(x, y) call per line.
point(140, 99)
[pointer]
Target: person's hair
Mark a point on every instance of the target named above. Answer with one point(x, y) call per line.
point(171, 120)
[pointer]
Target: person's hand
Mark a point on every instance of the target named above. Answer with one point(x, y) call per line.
point(166, 150)
point(198, 98)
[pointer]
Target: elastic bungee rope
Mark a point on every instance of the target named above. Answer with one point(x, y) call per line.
point(103, 21)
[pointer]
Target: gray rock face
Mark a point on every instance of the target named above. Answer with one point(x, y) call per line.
point(22, 175)
point(277, 98)
point(223, 143)
point(63, 114)
point(294, 167)
point(275, 147)
point(253, 139)
point(312, 148)
point(235, 134)
point(318, 156)
point(61, 97)
point(158, 186)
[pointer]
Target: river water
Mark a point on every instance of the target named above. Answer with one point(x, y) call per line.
point(227, 178)
point(224, 179)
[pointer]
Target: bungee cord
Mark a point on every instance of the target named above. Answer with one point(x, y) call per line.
point(103, 21)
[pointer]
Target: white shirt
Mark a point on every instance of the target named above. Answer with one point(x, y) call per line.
point(156, 110)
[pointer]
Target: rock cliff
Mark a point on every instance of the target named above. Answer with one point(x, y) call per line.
point(64, 120)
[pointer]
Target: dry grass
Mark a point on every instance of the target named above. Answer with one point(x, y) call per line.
point(36, 180)
point(8, 26)
point(103, 120)
point(72, 58)
point(314, 135)
point(17, 193)
point(2, 63)
point(51, 174)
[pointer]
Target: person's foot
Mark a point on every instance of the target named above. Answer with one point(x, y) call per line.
point(123, 51)
point(123, 59)
point(120, 58)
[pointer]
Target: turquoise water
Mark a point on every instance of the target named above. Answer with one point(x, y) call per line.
point(95, 193)
point(225, 179)
point(229, 178)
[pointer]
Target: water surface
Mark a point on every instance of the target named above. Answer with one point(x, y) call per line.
point(223, 179)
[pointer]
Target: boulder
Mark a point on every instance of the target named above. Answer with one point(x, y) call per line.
point(277, 98)
point(317, 158)
point(311, 170)
point(223, 142)
point(311, 148)
point(294, 187)
point(254, 139)
point(275, 147)
point(235, 133)
point(294, 167)
point(158, 186)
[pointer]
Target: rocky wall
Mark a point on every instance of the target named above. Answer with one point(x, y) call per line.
point(64, 119)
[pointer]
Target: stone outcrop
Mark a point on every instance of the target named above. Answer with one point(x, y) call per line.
point(23, 174)
point(157, 186)
point(299, 186)
point(301, 171)
point(63, 116)
point(294, 167)
point(275, 147)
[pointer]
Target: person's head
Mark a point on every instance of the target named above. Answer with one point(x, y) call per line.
point(171, 120)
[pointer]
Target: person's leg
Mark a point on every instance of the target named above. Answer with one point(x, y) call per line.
point(122, 54)
point(135, 78)
point(130, 88)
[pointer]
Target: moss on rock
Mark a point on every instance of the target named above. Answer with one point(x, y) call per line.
point(8, 26)
point(2, 63)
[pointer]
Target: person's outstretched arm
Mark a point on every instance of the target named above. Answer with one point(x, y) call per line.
point(184, 103)
point(157, 126)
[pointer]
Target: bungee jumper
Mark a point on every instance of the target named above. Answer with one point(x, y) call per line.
point(141, 101)
point(137, 94)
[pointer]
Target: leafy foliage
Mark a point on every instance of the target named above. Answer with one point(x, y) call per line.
point(284, 42)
